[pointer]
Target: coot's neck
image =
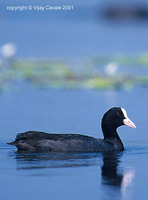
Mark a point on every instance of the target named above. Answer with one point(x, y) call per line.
point(111, 136)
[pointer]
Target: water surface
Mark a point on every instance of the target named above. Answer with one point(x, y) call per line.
point(82, 31)
point(72, 176)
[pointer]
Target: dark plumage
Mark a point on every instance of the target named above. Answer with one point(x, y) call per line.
point(40, 141)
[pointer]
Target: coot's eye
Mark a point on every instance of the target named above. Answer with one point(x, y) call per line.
point(118, 114)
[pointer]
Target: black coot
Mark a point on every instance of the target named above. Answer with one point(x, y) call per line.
point(40, 141)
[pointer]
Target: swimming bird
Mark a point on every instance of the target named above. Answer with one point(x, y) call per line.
point(41, 141)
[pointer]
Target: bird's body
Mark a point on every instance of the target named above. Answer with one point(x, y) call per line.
point(41, 141)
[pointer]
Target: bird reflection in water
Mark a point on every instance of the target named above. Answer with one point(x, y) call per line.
point(54, 160)
point(127, 181)
point(112, 176)
point(109, 169)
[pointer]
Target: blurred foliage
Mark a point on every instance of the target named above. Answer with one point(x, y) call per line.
point(99, 72)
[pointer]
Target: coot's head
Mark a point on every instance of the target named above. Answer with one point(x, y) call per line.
point(114, 118)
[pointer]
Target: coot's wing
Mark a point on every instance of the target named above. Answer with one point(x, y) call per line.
point(41, 141)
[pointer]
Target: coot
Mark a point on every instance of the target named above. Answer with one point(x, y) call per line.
point(41, 141)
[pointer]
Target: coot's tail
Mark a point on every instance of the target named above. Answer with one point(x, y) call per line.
point(12, 143)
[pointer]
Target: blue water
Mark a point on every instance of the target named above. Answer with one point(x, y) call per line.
point(82, 31)
point(73, 176)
